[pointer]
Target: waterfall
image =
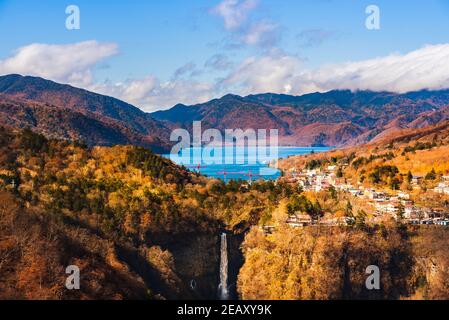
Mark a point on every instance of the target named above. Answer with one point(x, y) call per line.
point(223, 287)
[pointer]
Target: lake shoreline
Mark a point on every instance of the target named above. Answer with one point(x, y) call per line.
point(235, 165)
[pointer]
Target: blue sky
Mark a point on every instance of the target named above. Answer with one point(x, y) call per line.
point(158, 53)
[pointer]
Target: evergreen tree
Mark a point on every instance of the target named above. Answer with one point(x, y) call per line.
point(409, 177)
point(432, 175)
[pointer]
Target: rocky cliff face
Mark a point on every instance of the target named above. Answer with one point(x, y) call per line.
point(197, 258)
point(430, 275)
point(331, 264)
point(196, 264)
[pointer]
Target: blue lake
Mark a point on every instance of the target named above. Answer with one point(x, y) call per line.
point(236, 163)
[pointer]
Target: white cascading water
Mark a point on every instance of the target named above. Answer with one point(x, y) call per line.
point(223, 287)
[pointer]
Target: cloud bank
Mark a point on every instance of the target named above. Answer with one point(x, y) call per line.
point(69, 63)
point(274, 71)
point(425, 68)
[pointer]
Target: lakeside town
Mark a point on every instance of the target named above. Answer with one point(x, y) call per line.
point(398, 204)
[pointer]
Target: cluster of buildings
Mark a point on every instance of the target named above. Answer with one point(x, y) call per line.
point(383, 203)
point(315, 180)
point(443, 186)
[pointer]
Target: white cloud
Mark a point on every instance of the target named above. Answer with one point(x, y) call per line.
point(150, 94)
point(218, 62)
point(173, 92)
point(243, 30)
point(69, 63)
point(189, 68)
point(425, 68)
point(234, 12)
point(262, 33)
point(272, 73)
point(131, 91)
point(314, 37)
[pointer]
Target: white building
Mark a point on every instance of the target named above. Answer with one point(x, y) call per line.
point(442, 188)
point(403, 195)
point(411, 212)
point(417, 180)
point(386, 208)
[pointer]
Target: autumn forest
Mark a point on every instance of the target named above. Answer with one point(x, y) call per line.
point(141, 227)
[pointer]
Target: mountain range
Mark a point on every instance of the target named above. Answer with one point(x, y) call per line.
point(335, 118)
point(62, 111)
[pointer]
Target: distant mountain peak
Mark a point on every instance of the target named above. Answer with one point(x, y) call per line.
point(230, 96)
point(41, 98)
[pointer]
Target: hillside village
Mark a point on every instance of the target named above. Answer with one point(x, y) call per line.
point(398, 204)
